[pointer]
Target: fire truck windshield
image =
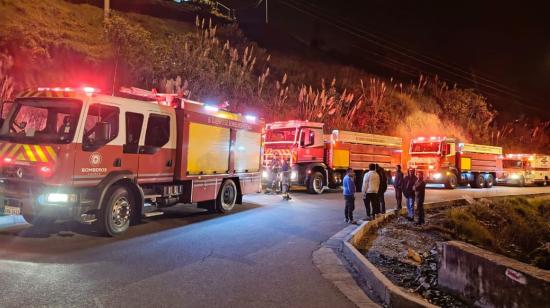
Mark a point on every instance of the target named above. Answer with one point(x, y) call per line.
point(41, 121)
point(425, 147)
point(512, 163)
point(281, 135)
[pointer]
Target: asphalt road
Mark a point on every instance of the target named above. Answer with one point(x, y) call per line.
point(259, 255)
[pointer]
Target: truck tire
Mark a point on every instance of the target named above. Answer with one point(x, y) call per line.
point(478, 181)
point(489, 181)
point(315, 183)
point(452, 181)
point(116, 211)
point(227, 197)
point(41, 222)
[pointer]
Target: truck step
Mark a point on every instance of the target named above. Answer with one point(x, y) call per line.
point(151, 214)
point(152, 197)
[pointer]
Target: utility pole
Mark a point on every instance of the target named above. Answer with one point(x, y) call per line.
point(106, 9)
point(266, 12)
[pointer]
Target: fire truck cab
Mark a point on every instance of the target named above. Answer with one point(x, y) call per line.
point(74, 154)
point(525, 169)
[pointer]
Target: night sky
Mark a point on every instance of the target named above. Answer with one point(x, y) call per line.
point(500, 49)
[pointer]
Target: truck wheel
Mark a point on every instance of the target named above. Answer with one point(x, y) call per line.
point(38, 221)
point(227, 197)
point(478, 181)
point(315, 185)
point(116, 211)
point(452, 182)
point(489, 181)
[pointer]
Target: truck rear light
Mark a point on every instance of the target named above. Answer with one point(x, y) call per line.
point(7, 160)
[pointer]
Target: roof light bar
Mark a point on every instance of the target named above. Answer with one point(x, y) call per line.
point(211, 108)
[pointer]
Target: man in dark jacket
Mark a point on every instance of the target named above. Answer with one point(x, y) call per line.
point(382, 189)
point(285, 178)
point(408, 192)
point(420, 191)
point(398, 185)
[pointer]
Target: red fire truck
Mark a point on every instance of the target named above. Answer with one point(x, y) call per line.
point(76, 154)
point(319, 161)
point(525, 169)
point(450, 162)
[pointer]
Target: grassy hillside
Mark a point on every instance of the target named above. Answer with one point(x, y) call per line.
point(55, 42)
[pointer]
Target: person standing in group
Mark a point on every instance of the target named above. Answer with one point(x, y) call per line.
point(408, 192)
point(382, 188)
point(420, 192)
point(349, 195)
point(371, 183)
point(285, 179)
point(398, 185)
point(275, 168)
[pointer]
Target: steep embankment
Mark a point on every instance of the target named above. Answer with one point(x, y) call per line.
point(54, 42)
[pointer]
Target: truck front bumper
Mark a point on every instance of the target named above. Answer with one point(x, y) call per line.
point(43, 202)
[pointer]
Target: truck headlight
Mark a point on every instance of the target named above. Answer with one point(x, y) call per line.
point(265, 175)
point(514, 176)
point(437, 176)
point(57, 198)
point(293, 175)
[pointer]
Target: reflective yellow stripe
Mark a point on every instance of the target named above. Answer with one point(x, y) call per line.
point(14, 149)
point(29, 152)
point(4, 149)
point(21, 157)
point(51, 152)
point(41, 154)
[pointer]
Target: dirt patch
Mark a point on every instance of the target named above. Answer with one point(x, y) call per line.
point(394, 247)
point(409, 254)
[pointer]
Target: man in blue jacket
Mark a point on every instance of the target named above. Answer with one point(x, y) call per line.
point(349, 195)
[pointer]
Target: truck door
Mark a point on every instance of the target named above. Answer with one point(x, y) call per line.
point(101, 149)
point(311, 145)
point(157, 154)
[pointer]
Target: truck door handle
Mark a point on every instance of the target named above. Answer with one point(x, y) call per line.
point(117, 162)
point(169, 163)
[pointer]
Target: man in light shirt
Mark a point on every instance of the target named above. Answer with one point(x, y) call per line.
point(371, 184)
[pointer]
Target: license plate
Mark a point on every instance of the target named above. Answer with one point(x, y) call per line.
point(11, 210)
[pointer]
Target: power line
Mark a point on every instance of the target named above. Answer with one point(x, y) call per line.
point(397, 45)
point(325, 19)
point(383, 45)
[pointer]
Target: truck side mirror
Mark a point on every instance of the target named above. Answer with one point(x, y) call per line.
point(310, 140)
point(304, 137)
point(103, 132)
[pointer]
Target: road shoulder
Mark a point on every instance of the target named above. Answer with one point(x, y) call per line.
point(333, 267)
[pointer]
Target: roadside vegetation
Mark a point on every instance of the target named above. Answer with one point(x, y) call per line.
point(518, 227)
point(54, 42)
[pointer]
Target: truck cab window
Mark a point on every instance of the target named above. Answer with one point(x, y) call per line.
point(158, 131)
point(134, 123)
point(101, 126)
